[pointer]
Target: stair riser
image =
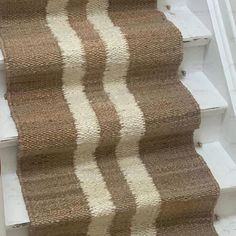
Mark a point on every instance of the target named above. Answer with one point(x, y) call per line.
point(233, 48)
point(209, 130)
point(226, 204)
point(231, 149)
point(18, 232)
point(193, 58)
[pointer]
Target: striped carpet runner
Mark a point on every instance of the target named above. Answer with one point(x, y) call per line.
point(105, 125)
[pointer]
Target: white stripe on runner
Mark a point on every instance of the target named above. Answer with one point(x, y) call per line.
point(131, 117)
point(87, 126)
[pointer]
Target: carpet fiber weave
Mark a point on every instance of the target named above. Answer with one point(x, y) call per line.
point(105, 125)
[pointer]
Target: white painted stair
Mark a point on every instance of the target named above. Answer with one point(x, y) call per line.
point(226, 226)
point(197, 37)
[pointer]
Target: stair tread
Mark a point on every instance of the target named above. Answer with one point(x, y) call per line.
point(204, 92)
point(14, 206)
point(223, 26)
point(226, 226)
point(194, 32)
point(214, 154)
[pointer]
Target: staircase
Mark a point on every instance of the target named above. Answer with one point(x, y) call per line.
point(201, 72)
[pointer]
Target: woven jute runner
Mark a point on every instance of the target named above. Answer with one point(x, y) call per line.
point(105, 125)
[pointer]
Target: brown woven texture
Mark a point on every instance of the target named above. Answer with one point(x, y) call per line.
point(105, 125)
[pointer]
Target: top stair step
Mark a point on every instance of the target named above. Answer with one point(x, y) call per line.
point(193, 30)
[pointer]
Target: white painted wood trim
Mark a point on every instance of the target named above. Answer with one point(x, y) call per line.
point(1, 61)
point(232, 20)
point(224, 49)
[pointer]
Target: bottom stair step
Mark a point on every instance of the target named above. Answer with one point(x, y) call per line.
point(224, 227)
point(219, 162)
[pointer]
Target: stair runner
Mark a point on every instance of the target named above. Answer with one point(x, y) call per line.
point(105, 125)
